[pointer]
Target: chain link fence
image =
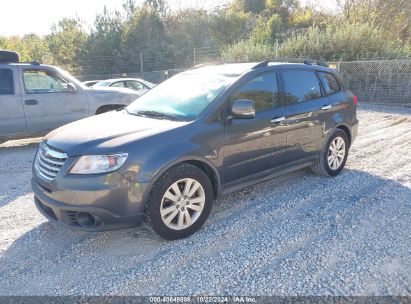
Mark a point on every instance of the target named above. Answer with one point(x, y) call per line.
point(378, 81)
point(153, 76)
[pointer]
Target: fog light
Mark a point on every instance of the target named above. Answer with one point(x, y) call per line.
point(85, 219)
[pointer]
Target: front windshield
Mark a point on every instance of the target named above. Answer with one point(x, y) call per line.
point(183, 96)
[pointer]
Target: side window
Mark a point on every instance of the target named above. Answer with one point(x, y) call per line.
point(329, 82)
point(118, 84)
point(6, 82)
point(263, 90)
point(43, 81)
point(301, 86)
point(135, 85)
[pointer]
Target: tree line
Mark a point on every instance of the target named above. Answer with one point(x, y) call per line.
point(243, 30)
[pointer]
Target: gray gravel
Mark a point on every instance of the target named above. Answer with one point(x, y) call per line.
point(299, 234)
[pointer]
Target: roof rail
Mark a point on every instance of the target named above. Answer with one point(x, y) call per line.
point(265, 63)
point(316, 62)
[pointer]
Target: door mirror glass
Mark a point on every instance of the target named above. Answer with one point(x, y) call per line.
point(243, 109)
point(71, 88)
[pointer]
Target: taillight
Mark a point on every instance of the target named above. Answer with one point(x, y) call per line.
point(355, 100)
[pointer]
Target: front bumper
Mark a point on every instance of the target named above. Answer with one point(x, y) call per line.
point(107, 208)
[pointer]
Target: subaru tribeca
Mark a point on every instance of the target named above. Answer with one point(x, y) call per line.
point(203, 133)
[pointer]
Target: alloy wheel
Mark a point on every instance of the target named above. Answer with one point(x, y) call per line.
point(336, 153)
point(182, 204)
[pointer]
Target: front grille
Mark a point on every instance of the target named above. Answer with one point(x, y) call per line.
point(48, 162)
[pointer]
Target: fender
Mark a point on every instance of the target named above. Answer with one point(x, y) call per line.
point(157, 163)
point(342, 126)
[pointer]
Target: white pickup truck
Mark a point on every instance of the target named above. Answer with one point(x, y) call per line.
point(36, 98)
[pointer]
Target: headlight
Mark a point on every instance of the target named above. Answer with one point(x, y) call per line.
point(94, 164)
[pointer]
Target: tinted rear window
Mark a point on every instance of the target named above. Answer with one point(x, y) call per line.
point(329, 82)
point(6, 82)
point(301, 86)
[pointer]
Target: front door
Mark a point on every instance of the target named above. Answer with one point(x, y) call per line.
point(256, 145)
point(48, 100)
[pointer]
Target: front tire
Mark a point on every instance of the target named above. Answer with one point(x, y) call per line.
point(180, 202)
point(334, 155)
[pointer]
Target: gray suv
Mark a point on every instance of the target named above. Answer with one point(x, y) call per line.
point(203, 133)
point(36, 98)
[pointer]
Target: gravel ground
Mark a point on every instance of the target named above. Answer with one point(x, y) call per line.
point(299, 234)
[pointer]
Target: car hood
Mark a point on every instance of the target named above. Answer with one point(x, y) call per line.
point(106, 133)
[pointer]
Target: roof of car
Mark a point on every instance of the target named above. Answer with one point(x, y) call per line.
point(237, 69)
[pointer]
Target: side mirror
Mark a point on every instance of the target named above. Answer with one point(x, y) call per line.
point(243, 109)
point(71, 88)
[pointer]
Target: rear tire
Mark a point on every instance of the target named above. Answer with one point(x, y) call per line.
point(180, 202)
point(333, 156)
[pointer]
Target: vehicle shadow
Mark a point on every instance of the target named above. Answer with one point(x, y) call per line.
point(48, 249)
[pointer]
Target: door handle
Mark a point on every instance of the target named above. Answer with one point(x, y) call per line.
point(31, 102)
point(278, 119)
point(327, 107)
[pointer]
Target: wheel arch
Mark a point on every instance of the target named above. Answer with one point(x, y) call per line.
point(347, 131)
point(108, 107)
point(206, 166)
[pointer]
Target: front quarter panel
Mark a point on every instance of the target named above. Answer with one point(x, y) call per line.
point(152, 156)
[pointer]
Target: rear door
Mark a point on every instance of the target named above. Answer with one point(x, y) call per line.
point(48, 101)
point(307, 109)
point(256, 145)
point(12, 120)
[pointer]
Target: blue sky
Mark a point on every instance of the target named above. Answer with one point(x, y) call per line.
point(19, 17)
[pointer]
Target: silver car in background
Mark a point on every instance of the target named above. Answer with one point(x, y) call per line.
point(135, 84)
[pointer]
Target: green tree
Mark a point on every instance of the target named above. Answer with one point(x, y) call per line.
point(102, 52)
point(394, 17)
point(186, 30)
point(143, 33)
point(229, 26)
point(342, 42)
point(30, 47)
point(159, 6)
point(267, 31)
point(247, 51)
point(66, 41)
point(249, 6)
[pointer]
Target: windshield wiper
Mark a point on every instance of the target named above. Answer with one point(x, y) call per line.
point(156, 114)
point(132, 113)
